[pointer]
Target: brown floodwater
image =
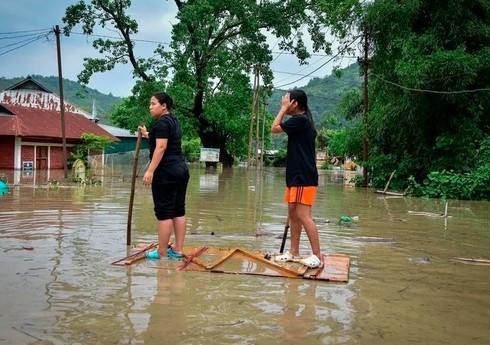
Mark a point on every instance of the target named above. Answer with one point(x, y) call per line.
point(58, 285)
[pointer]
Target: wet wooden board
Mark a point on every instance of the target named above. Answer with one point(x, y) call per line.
point(241, 261)
point(139, 253)
point(473, 261)
point(335, 268)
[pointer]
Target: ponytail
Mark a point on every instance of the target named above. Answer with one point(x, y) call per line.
point(312, 124)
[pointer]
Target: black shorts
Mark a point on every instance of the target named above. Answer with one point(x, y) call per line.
point(169, 189)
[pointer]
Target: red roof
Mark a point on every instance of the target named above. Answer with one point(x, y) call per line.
point(16, 120)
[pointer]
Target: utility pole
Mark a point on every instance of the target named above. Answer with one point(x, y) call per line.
point(255, 105)
point(62, 101)
point(257, 131)
point(366, 108)
point(264, 117)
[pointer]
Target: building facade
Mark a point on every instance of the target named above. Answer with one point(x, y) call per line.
point(32, 128)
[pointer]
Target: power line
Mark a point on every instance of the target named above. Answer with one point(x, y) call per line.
point(429, 91)
point(27, 42)
point(329, 60)
point(21, 32)
point(19, 36)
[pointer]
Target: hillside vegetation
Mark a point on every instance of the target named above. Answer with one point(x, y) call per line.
point(324, 93)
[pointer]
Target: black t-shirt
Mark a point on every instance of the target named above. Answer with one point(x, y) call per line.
point(167, 127)
point(301, 156)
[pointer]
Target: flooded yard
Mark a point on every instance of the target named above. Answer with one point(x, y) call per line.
point(58, 286)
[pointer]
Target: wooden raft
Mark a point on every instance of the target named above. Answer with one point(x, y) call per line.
point(335, 267)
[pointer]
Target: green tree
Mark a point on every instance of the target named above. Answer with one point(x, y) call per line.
point(215, 45)
point(429, 86)
point(90, 144)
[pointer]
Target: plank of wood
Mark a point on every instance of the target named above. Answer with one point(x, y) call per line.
point(192, 257)
point(274, 269)
point(390, 193)
point(135, 256)
point(476, 261)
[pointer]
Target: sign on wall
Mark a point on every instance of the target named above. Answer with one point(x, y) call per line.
point(27, 165)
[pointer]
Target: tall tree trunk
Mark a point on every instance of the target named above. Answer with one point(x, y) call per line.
point(213, 140)
point(210, 138)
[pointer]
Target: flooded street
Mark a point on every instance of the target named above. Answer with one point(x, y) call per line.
point(58, 285)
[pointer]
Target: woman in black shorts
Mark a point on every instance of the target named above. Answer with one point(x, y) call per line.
point(168, 176)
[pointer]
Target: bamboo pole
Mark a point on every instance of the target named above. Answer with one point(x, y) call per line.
point(133, 182)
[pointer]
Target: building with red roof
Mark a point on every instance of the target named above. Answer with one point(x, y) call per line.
point(31, 127)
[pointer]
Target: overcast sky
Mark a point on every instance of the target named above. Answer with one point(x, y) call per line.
point(22, 21)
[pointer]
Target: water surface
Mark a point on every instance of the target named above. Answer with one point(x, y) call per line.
point(65, 291)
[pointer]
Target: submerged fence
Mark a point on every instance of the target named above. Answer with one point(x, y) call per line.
point(119, 164)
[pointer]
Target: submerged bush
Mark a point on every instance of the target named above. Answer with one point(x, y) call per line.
point(473, 185)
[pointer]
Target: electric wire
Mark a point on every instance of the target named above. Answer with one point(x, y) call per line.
point(24, 31)
point(426, 90)
point(329, 60)
point(26, 42)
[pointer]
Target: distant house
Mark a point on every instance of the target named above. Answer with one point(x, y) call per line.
point(127, 139)
point(31, 127)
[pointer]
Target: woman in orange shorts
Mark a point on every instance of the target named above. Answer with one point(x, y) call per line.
point(301, 174)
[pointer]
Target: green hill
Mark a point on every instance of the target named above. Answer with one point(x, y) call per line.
point(323, 93)
point(75, 93)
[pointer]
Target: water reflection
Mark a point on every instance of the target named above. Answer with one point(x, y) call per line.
point(65, 291)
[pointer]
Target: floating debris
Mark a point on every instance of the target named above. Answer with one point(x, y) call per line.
point(429, 214)
point(345, 219)
point(390, 219)
point(473, 261)
point(374, 239)
point(419, 260)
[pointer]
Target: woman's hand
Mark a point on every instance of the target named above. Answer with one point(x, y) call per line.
point(144, 132)
point(286, 103)
point(147, 178)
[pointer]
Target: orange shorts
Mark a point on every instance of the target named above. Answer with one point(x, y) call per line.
point(301, 195)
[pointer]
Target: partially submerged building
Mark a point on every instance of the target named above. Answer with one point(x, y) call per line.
point(31, 127)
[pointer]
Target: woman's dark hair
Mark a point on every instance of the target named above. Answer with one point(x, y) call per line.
point(300, 97)
point(164, 98)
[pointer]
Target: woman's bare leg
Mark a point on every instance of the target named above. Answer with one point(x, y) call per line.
point(303, 212)
point(180, 225)
point(164, 233)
